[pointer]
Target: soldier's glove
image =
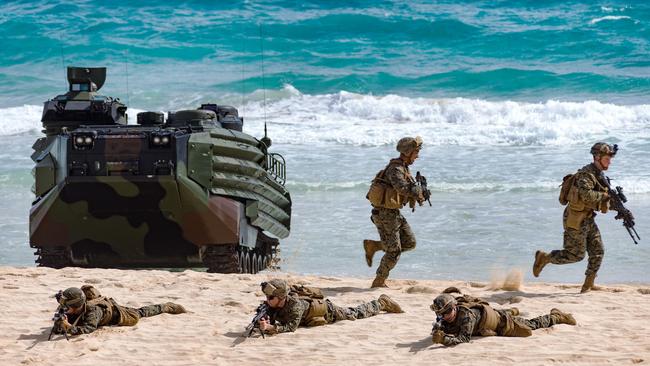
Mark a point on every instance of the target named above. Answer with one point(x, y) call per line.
point(438, 337)
point(63, 326)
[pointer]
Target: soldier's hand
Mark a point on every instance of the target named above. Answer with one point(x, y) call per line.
point(605, 197)
point(64, 325)
point(438, 336)
point(265, 324)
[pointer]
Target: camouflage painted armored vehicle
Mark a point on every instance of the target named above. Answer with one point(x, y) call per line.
point(191, 191)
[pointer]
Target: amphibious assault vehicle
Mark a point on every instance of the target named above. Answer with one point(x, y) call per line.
point(191, 190)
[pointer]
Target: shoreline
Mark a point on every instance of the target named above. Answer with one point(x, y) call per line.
point(611, 323)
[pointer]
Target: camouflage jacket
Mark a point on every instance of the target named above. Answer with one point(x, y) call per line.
point(88, 321)
point(289, 317)
point(399, 177)
point(462, 328)
point(590, 189)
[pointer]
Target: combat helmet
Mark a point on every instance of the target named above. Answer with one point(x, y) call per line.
point(406, 145)
point(603, 148)
point(275, 287)
point(443, 303)
point(72, 297)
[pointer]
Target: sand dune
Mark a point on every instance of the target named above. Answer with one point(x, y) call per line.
point(613, 325)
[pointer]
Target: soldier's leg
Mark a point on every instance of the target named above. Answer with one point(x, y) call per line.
point(555, 316)
point(336, 313)
point(390, 258)
point(543, 321)
point(389, 227)
point(168, 307)
point(406, 236)
point(595, 250)
point(575, 242)
point(365, 310)
point(150, 310)
point(126, 316)
point(370, 247)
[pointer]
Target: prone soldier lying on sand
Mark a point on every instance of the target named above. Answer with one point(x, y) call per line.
point(86, 310)
point(460, 318)
point(287, 311)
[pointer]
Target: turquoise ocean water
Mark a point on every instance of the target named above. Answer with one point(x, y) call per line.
point(508, 96)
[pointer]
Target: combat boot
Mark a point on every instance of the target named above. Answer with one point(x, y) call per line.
point(171, 308)
point(378, 282)
point(560, 317)
point(389, 305)
point(589, 283)
point(541, 260)
point(370, 247)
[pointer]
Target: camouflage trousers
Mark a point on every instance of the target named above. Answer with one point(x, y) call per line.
point(576, 242)
point(366, 310)
point(127, 316)
point(544, 321)
point(396, 237)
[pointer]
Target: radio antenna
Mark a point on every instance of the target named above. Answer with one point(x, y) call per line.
point(263, 74)
point(65, 74)
point(126, 68)
point(243, 74)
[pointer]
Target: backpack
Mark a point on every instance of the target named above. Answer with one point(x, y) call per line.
point(306, 292)
point(91, 292)
point(567, 183)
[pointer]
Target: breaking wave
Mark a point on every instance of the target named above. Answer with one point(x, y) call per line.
point(346, 118)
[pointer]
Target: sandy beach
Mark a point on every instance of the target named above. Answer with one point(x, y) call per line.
point(613, 326)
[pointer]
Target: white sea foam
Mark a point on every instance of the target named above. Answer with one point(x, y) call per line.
point(17, 120)
point(631, 185)
point(609, 17)
point(345, 118)
point(355, 119)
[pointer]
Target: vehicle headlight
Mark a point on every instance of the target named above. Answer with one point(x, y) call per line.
point(83, 141)
point(160, 139)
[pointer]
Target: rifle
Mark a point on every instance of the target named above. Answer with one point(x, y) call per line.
point(261, 313)
point(426, 193)
point(437, 325)
point(616, 201)
point(57, 318)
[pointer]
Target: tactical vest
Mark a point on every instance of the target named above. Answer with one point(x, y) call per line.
point(578, 209)
point(106, 305)
point(316, 313)
point(382, 194)
point(492, 322)
point(489, 317)
point(124, 316)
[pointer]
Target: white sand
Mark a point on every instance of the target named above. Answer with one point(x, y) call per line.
point(613, 325)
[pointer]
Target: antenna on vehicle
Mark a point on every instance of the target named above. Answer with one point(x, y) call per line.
point(243, 74)
point(266, 140)
point(65, 74)
point(126, 68)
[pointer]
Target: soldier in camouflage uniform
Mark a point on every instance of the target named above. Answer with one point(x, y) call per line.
point(400, 189)
point(586, 195)
point(288, 311)
point(458, 320)
point(87, 311)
